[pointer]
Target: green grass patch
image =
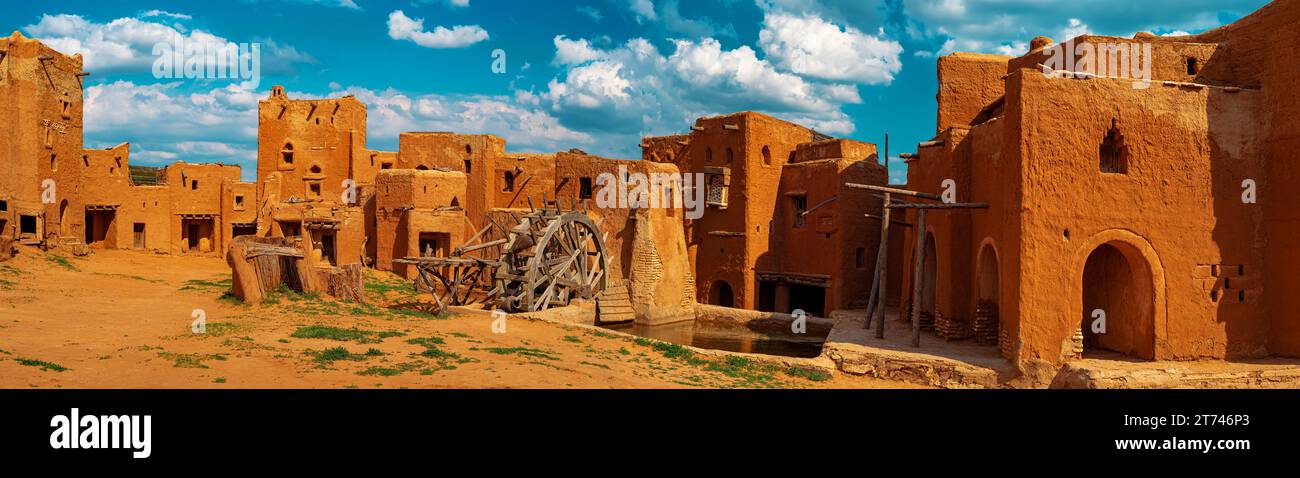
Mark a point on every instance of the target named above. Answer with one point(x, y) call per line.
point(62, 262)
point(334, 354)
point(526, 352)
point(572, 338)
point(13, 271)
point(808, 374)
point(125, 276)
point(6, 284)
point(207, 285)
point(343, 335)
point(190, 360)
point(46, 366)
point(219, 380)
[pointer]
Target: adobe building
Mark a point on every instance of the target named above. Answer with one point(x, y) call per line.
point(1106, 196)
point(779, 232)
point(53, 192)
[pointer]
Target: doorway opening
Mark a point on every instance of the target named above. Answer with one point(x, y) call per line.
point(1118, 302)
point(721, 294)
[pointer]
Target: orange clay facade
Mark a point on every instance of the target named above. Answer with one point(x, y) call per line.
point(1109, 198)
point(1102, 197)
point(55, 192)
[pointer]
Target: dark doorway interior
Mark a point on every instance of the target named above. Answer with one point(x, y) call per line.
point(137, 231)
point(721, 294)
point(810, 299)
point(99, 225)
point(434, 244)
point(767, 296)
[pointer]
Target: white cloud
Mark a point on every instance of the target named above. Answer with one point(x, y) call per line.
point(524, 128)
point(402, 27)
point(126, 44)
point(1073, 29)
point(628, 90)
point(161, 13)
point(810, 46)
point(590, 12)
point(644, 9)
point(1006, 26)
point(458, 3)
point(164, 123)
point(574, 52)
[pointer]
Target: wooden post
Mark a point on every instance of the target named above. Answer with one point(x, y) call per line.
point(918, 278)
point(882, 269)
point(875, 290)
point(886, 159)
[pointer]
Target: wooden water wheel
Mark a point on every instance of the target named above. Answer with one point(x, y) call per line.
point(550, 258)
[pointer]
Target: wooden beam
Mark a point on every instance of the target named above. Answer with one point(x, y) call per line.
point(881, 218)
point(901, 192)
point(972, 205)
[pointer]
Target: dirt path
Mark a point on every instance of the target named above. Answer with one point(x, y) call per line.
point(122, 319)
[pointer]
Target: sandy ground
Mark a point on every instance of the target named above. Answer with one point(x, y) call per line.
point(122, 319)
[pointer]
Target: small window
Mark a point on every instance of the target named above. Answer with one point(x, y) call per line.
point(800, 206)
point(313, 190)
point(1192, 67)
point(468, 166)
point(386, 165)
point(315, 169)
point(27, 224)
point(860, 258)
point(421, 168)
point(731, 156)
point(54, 162)
point(1111, 152)
point(239, 202)
point(286, 154)
point(584, 188)
point(4, 206)
point(508, 185)
point(708, 155)
point(194, 184)
point(767, 156)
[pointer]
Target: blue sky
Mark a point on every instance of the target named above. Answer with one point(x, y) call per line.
point(591, 74)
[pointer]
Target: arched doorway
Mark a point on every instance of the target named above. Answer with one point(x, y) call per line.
point(987, 282)
point(1118, 285)
point(988, 275)
point(721, 294)
point(63, 219)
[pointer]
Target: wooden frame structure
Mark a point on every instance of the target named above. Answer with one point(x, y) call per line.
point(549, 257)
point(876, 304)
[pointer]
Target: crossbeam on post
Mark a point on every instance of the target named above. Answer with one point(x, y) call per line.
point(901, 192)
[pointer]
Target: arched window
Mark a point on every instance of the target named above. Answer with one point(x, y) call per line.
point(767, 156)
point(1112, 156)
point(315, 169)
